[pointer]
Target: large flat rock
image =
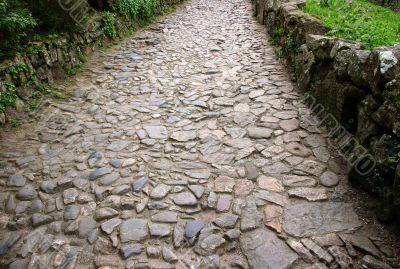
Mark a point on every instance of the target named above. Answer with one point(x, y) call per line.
point(308, 219)
point(264, 250)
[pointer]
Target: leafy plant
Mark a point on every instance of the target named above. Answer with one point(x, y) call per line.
point(134, 9)
point(146, 8)
point(8, 95)
point(110, 24)
point(15, 20)
point(358, 20)
point(279, 32)
point(14, 69)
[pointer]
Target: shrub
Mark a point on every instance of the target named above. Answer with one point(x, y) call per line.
point(146, 8)
point(8, 95)
point(127, 8)
point(134, 9)
point(15, 21)
point(49, 15)
point(109, 21)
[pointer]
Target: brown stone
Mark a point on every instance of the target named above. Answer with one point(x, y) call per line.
point(273, 217)
point(270, 183)
point(224, 203)
point(224, 184)
point(243, 187)
point(289, 125)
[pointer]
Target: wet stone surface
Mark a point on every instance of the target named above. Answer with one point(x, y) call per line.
point(183, 147)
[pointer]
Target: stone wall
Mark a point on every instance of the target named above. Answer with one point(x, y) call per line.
point(52, 60)
point(392, 4)
point(360, 87)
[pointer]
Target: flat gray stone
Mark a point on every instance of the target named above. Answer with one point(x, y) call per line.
point(318, 218)
point(371, 262)
point(329, 179)
point(251, 171)
point(197, 190)
point(16, 181)
point(298, 181)
point(109, 179)
point(185, 199)
point(9, 240)
point(26, 160)
point(362, 243)
point(165, 216)
point(86, 225)
point(140, 183)
point(116, 163)
point(264, 250)
point(19, 264)
point(311, 167)
point(169, 255)
point(71, 212)
point(118, 145)
point(208, 244)
point(157, 131)
point(70, 195)
point(198, 174)
point(40, 219)
point(129, 250)
point(310, 194)
point(277, 168)
point(273, 197)
point(27, 193)
point(251, 218)
point(109, 225)
point(226, 221)
point(341, 257)
point(193, 228)
point(183, 136)
point(99, 172)
point(259, 132)
point(179, 234)
point(133, 230)
point(105, 213)
point(233, 234)
point(289, 125)
point(48, 186)
point(121, 189)
point(159, 230)
point(160, 191)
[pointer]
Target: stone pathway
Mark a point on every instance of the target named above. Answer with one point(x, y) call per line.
point(185, 147)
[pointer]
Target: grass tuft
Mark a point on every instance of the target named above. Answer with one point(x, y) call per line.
point(358, 20)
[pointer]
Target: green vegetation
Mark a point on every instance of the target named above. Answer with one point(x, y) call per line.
point(24, 21)
point(285, 42)
point(8, 95)
point(15, 22)
point(358, 20)
point(134, 9)
point(110, 24)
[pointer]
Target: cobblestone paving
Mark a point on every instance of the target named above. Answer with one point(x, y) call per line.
point(185, 147)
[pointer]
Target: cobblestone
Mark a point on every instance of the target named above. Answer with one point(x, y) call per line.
point(185, 145)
